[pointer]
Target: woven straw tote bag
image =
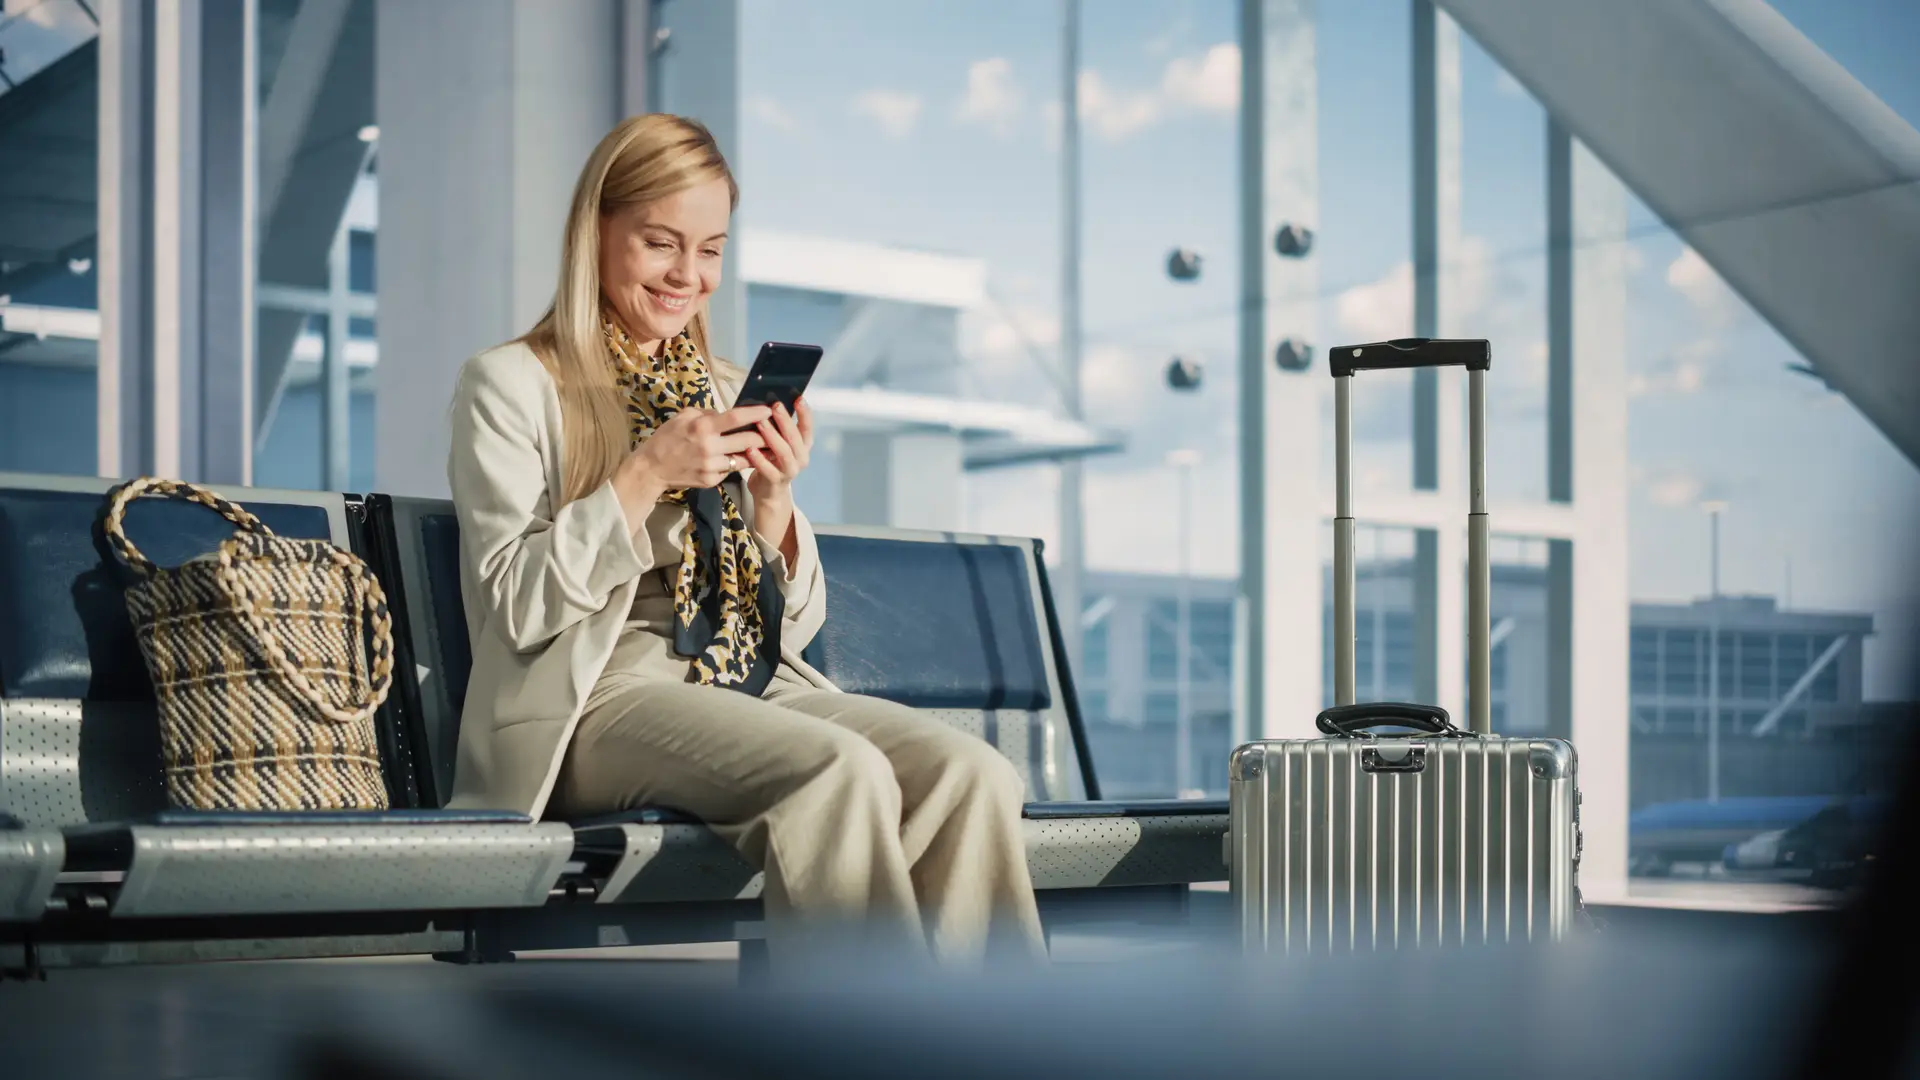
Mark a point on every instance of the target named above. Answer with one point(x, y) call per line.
point(269, 658)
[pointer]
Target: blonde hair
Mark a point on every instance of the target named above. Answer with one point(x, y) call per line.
point(645, 159)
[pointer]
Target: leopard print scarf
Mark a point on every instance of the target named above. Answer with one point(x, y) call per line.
point(727, 610)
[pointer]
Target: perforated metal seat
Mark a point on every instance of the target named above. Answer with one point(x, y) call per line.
point(80, 754)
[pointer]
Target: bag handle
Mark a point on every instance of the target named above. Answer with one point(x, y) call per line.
point(120, 497)
point(1351, 721)
point(373, 607)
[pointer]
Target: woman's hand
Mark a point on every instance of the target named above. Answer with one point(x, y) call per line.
point(787, 439)
point(690, 450)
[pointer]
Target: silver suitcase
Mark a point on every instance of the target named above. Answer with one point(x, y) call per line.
point(1366, 839)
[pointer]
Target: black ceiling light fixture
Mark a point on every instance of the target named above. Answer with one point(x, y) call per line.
point(1293, 241)
point(1292, 354)
point(1183, 264)
point(1185, 373)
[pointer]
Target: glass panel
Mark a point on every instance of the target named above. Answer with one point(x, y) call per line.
point(1212, 649)
point(1644, 661)
point(1093, 650)
point(1756, 667)
point(1385, 642)
point(1726, 428)
point(1163, 640)
point(330, 187)
point(1518, 620)
point(1685, 667)
point(1497, 287)
point(37, 34)
point(1093, 706)
point(49, 326)
point(360, 261)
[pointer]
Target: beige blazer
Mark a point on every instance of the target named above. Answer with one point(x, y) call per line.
point(549, 594)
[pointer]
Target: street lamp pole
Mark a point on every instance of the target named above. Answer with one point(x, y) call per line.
point(1713, 653)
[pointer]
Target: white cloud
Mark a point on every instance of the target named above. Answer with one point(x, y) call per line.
point(1124, 389)
point(1675, 490)
point(993, 99)
point(1684, 377)
point(1209, 82)
point(1112, 114)
point(1205, 82)
point(1508, 85)
point(1380, 309)
point(772, 113)
point(996, 333)
point(1691, 277)
point(895, 111)
point(1383, 308)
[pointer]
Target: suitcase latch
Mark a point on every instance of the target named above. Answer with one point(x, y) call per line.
point(1392, 757)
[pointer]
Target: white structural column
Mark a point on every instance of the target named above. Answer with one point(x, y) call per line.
point(336, 398)
point(1588, 604)
point(908, 480)
point(1439, 553)
point(487, 114)
point(1070, 560)
point(125, 256)
point(1280, 429)
point(178, 138)
point(698, 75)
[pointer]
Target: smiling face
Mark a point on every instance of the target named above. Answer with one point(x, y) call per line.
point(659, 261)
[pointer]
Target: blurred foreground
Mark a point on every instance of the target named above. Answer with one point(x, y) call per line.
point(1656, 994)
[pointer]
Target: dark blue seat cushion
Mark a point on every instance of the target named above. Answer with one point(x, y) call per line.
point(932, 625)
point(440, 542)
point(64, 631)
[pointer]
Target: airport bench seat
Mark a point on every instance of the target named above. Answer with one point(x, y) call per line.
point(80, 757)
point(958, 626)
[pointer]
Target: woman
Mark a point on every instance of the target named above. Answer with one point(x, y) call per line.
point(639, 586)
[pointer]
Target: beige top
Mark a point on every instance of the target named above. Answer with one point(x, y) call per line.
point(550, 594)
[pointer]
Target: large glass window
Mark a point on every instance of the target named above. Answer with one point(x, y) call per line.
point(49, 324)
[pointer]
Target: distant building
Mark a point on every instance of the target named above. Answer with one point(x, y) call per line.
point(1803, 666)
point(1777, 668)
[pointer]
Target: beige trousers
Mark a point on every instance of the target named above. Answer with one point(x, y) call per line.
point(864, 815)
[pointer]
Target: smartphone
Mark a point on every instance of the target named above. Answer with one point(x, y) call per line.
point(780, 375)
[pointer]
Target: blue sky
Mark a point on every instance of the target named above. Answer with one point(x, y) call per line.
point(931, 125)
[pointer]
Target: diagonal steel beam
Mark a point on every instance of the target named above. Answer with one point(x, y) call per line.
point(311, 41)
point(1799, 688)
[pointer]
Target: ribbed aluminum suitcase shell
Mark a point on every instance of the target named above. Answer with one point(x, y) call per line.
point(1331, 848)
point(1380, 841)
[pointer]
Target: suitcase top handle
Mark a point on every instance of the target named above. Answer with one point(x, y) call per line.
point(1474, 354)
point(1351, 721)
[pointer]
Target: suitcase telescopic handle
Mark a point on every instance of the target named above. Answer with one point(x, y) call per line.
point(1476, 355)
point(1353, 720)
